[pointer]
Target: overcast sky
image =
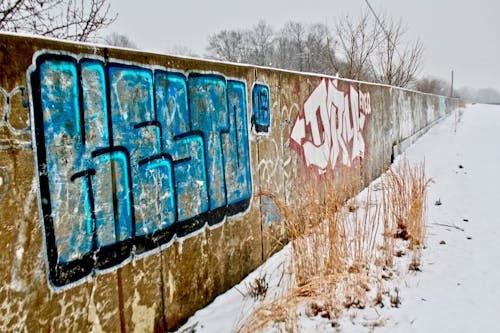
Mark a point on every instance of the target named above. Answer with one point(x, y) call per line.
point(460, 35)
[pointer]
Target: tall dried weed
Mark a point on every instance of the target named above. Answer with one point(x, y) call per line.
point(335, 242)
point(404, 189)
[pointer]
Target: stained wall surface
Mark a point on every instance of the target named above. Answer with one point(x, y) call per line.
point(136, 187)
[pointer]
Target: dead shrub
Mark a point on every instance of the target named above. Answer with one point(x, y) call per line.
point(257, 288)
point(404, 203)
point(334, 243)
point(395, 299)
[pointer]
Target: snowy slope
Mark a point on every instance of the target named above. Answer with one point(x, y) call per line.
point(458, 288)
point(456, 291)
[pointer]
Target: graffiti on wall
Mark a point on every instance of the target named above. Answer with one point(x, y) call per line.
point(330, 126)
point(4, 182)
point(261, 114)
point(12, 132)
point(130, 156)
point(14, 139)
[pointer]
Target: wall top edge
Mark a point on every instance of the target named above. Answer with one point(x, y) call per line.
point(208, 61)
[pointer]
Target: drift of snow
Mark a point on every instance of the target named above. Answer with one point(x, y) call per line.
point(456, 290)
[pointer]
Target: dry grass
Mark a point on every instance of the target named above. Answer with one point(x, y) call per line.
point(317, 229)
point(335, 244)
point(330, 236)
point(278, 311)
point(257, 288)
point(405, 189)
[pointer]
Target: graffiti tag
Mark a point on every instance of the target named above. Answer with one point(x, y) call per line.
point(330, 126)
point(129, 156)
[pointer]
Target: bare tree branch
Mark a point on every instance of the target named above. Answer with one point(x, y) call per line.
point(261, 44)
point(296, 46)
point(370, 49)
point(358, 42)
point(69, 19)
point(229, 45)
point(432, 85)
point(398, 61)
point(116, 39)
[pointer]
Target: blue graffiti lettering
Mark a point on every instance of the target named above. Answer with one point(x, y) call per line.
point(261, 115)
point(129, 157)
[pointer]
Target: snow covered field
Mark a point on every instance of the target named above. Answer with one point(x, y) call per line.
point(457, 287)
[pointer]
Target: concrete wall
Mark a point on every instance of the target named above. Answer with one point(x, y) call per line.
point(131, 183)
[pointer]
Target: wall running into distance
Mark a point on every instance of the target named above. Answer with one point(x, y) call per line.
point(131, 183)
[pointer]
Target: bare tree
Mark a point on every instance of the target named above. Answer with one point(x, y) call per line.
point(283, 51)
point(398, 60)
point(376, 50)
point(261, 44)
point(487, 95)
point(358, 41)
point(309, 48)
point(320, 50)
point(295, 34)
point(296, 46)
point(181, 50)
point(229, 45)
point(253, 46)
point(68, 19)
point(116, 39)
point(482, 95)
point(432, 85)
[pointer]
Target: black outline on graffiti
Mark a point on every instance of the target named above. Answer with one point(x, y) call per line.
point(62, 274)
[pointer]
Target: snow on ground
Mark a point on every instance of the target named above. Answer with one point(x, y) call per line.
point(457, 289)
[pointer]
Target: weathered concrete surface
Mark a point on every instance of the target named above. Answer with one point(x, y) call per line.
point(152, 275)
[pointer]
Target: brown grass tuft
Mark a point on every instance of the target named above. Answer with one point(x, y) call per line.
point(404, 189)
point(257, 288)
point(335, 244)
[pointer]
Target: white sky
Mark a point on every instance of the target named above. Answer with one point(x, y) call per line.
point(459, 35)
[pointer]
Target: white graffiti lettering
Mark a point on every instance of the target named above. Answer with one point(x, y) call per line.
point(330, 125)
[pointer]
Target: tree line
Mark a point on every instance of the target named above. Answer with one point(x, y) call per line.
point(365, 48)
